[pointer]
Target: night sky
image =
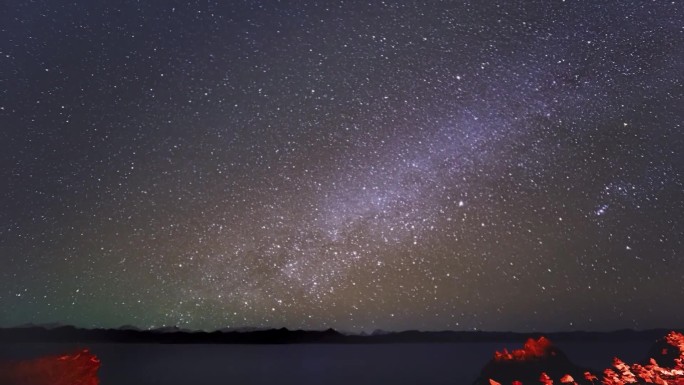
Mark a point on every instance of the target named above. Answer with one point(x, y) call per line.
point(490, 165)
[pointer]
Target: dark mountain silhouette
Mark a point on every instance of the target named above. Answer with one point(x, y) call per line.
point(129, 327)
point(285, 336)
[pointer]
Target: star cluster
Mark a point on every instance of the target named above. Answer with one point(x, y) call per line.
point(499, 165)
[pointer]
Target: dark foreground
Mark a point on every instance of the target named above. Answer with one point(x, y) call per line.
point(305, 364)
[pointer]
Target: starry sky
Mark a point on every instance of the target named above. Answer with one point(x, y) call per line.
point(490, 165)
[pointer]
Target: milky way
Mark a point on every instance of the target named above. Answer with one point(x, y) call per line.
point(512, 165)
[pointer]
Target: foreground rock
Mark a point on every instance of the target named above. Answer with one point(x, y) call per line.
point(530, 365)
point(70, 369)
point(540, 362)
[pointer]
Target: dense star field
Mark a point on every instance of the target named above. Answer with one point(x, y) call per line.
point(497, 165)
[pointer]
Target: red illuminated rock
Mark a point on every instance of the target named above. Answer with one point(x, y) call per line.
point(533, 349)
point(70, 369)
point(539, 361)
point(540, 356)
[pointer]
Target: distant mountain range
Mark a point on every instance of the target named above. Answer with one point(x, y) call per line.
point(174, 335)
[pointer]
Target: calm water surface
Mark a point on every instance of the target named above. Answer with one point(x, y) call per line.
point(308, 364)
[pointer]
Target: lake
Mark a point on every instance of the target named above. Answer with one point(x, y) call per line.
point(308, 364)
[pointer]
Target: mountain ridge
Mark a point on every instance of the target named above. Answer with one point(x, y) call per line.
point(174, 335)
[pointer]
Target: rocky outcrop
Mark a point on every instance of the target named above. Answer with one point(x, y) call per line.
point(540, 362)
point(529, 365)
point(79, 368)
